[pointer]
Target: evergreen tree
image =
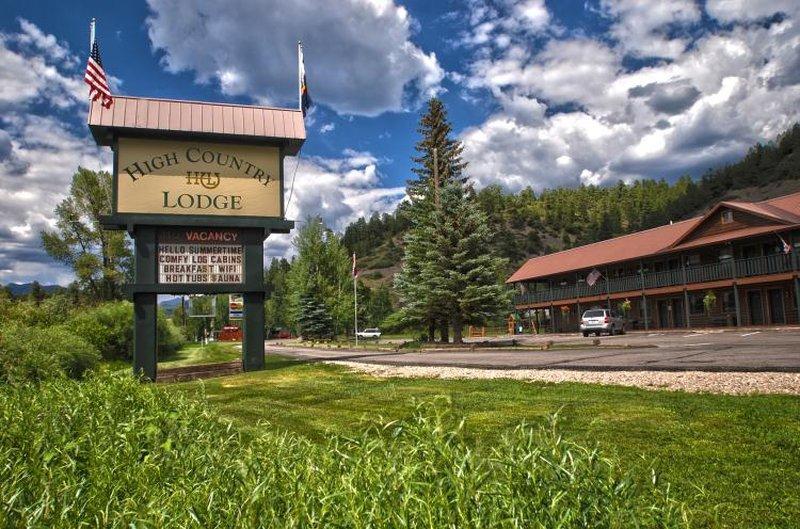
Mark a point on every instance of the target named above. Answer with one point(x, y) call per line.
point(313, 319)
point(276, 313)
point(448, 277)
point(435, 130)
point(466, 279)
point(37, 293)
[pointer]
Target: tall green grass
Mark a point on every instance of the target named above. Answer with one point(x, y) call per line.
point(110, 452)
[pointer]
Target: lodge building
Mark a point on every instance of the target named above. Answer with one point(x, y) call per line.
point(736, 265)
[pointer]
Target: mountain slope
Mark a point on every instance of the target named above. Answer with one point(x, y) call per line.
point(526, 224)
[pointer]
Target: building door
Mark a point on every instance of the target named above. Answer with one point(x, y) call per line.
point(777, 314)
point(663, 313)
point(755, 307)
point(678, 312)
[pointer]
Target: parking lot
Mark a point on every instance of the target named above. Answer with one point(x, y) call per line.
point(745, 350)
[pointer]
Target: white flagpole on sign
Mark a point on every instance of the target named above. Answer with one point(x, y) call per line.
point(299, 75)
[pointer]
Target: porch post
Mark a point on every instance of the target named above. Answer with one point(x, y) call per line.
point(685, 294)
point(644, 298)
point(735, 288)
point(552, 312)
point(608, 289)
point(578, 300)
point(795, 267)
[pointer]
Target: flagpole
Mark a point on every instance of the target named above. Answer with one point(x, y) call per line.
point(355, 299)
point(299, 75)
point(91, 34)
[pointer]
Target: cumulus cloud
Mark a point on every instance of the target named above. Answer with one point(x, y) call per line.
point(647, 28)
point(359, 54)
point(38, 151)
point(574, 110)
point(339, 190)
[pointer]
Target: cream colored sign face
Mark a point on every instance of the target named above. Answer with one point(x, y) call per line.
point(194, 178)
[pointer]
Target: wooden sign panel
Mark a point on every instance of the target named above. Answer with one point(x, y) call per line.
point(200, 256)
point(168, 177)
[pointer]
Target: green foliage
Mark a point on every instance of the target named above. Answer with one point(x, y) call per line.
point(114, 453)
point(448, 276)
point(276, 307)
point(321, 272)
point(101, 259)
point(313, 319)
point(109, 327)
point(709, 301)
point(35, 354)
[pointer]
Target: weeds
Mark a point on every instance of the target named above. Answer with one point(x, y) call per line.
point(110, 452)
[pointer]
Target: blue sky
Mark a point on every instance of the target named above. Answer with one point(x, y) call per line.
point(543, 94)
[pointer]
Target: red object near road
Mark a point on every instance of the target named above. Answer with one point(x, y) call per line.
point(230, 333)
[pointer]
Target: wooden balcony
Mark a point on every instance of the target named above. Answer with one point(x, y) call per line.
point(725, 270)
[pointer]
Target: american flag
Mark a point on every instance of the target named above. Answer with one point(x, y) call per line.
point(95, 77)
point(785, 245)
point(593, 276)
point(355, 270)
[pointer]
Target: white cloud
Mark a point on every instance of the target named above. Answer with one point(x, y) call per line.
point(38, 153)
point(572, 112)
point(643, 28)
point(359, 55)
point(742, 10)
point(339, 190)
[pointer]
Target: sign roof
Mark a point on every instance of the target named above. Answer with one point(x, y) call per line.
point(212, 121)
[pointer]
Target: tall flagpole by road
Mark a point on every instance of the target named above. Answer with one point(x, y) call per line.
point(355, 299)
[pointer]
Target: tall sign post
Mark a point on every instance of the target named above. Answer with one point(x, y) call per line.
point(199, 187)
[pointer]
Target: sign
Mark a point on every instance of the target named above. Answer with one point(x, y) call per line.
point(194, 178)
point(207, 256)
point(235, 306)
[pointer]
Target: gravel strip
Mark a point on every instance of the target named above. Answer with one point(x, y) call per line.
point(691, 381)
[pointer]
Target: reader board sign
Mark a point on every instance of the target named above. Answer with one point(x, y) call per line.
point(235, 307)
point(200, 256)
point(167, 177)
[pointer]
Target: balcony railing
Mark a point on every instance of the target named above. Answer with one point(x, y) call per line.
point(755, 266)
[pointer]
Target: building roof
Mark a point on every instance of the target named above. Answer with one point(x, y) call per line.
point(193, 118)
point(784, 211)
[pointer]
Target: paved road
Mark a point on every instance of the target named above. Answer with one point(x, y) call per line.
point(743, 350)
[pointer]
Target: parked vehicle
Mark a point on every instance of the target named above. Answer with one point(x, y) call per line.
point(598, 321)
point(373, 332)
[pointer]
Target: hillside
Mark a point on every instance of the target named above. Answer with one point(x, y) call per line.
point(23, 289)
point(528, 224)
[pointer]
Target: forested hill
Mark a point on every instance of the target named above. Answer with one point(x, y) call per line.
point(527, 224)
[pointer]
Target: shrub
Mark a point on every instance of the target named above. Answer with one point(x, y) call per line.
point(109, 327)
point(34, 354)
point(110, 452)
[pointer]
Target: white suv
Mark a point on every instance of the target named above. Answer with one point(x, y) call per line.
point(602, 320)
point(369, 333)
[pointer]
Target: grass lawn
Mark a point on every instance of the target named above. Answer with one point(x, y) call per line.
point(734, 460)
point(195, 353)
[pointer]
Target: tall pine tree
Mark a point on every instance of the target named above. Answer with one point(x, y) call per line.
point(448, 277)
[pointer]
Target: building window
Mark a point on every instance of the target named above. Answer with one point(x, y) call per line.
point(696, 305)
point(727, 216)
point(728, 301)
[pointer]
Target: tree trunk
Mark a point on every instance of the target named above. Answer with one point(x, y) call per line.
point(458, 329)
point(444, 331)
point(431, 330)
